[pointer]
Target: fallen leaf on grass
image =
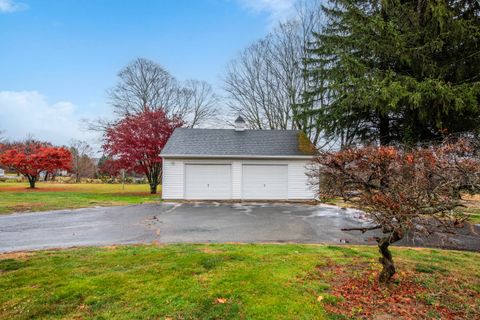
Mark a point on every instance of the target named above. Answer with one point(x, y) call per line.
point(319, 298)
point(221, 300)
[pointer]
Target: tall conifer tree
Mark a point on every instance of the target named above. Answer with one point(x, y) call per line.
point(397, 70)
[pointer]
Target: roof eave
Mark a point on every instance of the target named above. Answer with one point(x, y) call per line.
point(244, 156)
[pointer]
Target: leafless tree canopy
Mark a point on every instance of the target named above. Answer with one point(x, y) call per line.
point(266, 82)
point(202, 100)
point(145, 85)
point(83, 166)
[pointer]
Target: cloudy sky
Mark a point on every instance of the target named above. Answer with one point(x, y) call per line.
point(58, 58)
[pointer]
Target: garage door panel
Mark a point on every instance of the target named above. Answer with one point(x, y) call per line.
point(265, 182)
point(208, 181)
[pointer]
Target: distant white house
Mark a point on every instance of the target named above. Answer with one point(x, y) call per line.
point(2, 173)
point(214, 164)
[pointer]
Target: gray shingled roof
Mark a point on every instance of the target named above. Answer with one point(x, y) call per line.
point(228, 142)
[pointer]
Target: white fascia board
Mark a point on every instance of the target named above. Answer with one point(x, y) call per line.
point(203, 156)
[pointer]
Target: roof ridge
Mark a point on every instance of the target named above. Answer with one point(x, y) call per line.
point(232, 129)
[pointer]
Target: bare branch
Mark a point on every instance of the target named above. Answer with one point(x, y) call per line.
point(363, 230)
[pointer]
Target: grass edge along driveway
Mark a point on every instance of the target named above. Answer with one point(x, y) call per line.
point(228, 281)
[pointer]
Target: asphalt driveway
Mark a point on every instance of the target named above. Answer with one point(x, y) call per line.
point(199, 222)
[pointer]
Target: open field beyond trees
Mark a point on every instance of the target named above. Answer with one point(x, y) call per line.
point(237, 282)
point(17, 197)
point(471, 206)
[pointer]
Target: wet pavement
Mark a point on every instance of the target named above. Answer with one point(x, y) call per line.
point(201, 222)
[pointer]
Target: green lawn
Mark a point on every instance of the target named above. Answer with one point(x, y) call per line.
point(16, 197)
point(228, 282)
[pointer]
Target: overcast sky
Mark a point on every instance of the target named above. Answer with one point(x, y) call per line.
point(58, 58)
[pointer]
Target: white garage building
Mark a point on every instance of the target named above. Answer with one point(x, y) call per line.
point(238, 164)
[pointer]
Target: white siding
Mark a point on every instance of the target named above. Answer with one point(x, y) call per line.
point(174, 177)
point(298, 187)
point(172, 184)
point(236, 179)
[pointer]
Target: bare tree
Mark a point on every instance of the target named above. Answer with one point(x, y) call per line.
point(202, 101)
point(83, 166)
point(145, 85)
point(266, 82)
point(255, 90)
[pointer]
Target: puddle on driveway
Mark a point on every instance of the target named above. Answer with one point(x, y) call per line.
point(325, 210)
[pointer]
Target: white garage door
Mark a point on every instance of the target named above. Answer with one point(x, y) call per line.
point(264, 181)
point(208, 181)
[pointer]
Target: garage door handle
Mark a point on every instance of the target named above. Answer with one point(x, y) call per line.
point(208, 185)
point(264, 185)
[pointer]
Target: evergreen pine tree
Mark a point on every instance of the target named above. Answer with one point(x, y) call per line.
point(397, 70)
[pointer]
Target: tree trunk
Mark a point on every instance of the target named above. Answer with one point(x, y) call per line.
point(384, 130)
point(31, 181)
point(154, 174)
point(153, 188)
point(386, 260)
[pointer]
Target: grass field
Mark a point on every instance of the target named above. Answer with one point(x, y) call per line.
point(236, 282)
point(16, 197)
point(472, 208)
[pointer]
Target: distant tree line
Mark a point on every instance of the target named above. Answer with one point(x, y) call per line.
point(39, 160)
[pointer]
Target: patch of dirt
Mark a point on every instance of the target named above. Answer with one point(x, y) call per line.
point(21, 255)
point(28, 206)
point(210, 250)
point(358, 294)
point(134, 194)
point(111, 247)
point(23, 188)
point(468, 197)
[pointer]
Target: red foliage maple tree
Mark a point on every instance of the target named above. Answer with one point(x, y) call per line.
point(110, 168)
point(402, 189)
point(135, 143)
point(30, 158)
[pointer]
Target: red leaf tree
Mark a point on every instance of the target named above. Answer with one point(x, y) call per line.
point(30, 158)
point(109, 167)
point(402, 189)
point(136, 141)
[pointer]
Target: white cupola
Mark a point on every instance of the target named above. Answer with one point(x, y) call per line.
point(239, 124)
